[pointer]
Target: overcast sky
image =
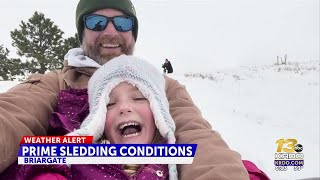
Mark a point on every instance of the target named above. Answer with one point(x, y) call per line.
point(199, 35)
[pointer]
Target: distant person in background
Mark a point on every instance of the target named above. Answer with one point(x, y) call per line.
point(167, 67)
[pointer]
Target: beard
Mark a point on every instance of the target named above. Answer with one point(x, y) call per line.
point(93, 51)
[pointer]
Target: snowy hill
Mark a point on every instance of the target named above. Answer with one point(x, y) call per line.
point(254, 106)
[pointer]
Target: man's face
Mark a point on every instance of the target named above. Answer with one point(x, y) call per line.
point(102, 46)
point(129, 119)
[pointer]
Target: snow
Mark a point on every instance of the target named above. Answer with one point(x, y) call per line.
point(254, 106)
point(6, 85)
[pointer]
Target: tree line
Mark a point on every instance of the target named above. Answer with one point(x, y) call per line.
point(40, 46)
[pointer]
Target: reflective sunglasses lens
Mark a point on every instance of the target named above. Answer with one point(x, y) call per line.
point(96, 23)
point(123, 23)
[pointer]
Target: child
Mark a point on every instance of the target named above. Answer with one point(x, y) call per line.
point(128, 105)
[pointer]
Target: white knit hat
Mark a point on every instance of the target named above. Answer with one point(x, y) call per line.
point(149, 81)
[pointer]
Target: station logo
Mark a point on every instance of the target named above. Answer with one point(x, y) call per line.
point(288, 154)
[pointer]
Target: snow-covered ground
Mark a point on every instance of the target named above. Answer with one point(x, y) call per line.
point(254, 106)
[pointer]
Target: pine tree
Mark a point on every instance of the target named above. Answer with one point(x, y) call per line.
point(9, 68)
point(39, 41)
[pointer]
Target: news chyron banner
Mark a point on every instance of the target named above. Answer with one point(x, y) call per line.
point(80, 150)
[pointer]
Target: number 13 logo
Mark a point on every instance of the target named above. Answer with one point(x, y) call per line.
point(290, 145)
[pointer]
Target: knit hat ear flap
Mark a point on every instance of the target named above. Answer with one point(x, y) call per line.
point(96, 128)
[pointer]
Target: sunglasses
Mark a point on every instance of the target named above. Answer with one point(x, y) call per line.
point(96, 22)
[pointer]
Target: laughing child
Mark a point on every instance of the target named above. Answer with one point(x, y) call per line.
point(128, 105)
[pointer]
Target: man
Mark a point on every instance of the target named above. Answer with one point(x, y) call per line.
point(24, 109)
point(167, 65)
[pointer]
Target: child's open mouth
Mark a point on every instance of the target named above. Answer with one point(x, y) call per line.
point(130, 129)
